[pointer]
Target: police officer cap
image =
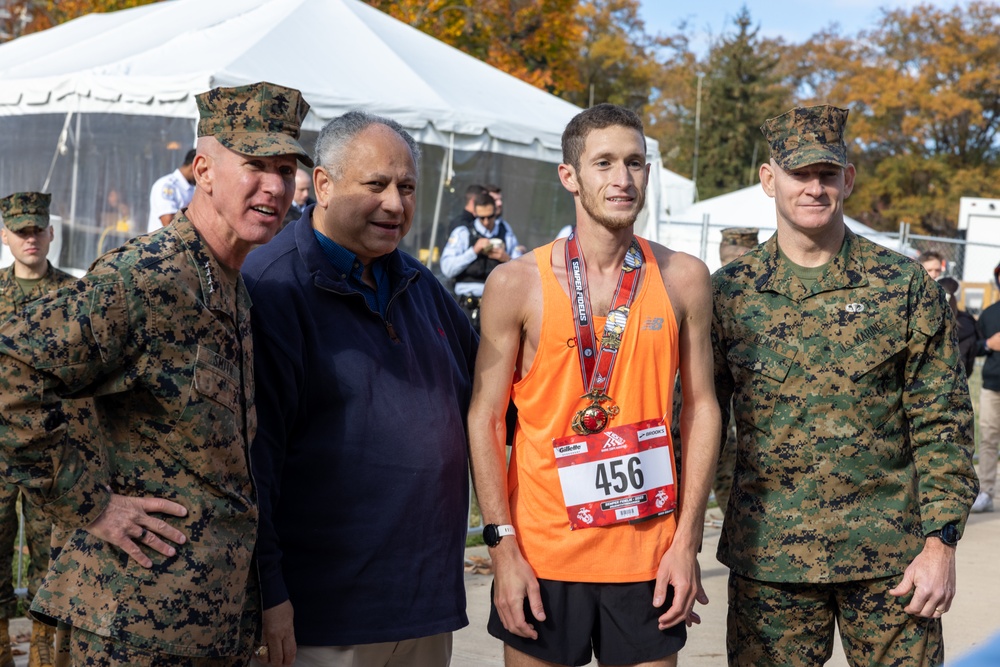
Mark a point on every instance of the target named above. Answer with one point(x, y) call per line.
point(25, 209)
point(261, 119)
point(744, 237)
point(807, 135)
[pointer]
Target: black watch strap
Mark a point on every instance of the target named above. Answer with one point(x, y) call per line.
point(948, 535)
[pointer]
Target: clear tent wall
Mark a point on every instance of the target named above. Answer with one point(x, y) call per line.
point(100, 167)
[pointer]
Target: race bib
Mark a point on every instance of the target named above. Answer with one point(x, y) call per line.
point(621, 474)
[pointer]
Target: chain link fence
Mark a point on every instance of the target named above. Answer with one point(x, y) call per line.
point(969, 263)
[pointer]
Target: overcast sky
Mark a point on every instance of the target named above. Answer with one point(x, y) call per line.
point(793, 20)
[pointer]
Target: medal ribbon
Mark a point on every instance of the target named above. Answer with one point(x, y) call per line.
point(596, 368)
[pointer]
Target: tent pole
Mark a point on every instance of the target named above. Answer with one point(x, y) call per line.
point(76, 171)
point(704, 237)
point(60, 149)
point(442, 184)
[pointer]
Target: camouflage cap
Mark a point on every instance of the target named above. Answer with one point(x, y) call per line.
point(743, 237)
point(807, 135)
point(257, 119)
point(25, 209)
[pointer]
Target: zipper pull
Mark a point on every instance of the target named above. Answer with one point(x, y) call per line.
point(392, 332)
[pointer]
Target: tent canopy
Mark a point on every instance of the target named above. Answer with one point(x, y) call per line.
point(132, 76)
point(342, 54)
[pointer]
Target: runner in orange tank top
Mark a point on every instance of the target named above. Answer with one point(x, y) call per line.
point(594, 541)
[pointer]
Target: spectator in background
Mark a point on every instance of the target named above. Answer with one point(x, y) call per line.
point(989, 404)
point(474, 250)
point(171, 193)
point(363, 363)
point(303, 181)
point(969, 340)
point(933, 263)
point(736, 242)
point(468, 214)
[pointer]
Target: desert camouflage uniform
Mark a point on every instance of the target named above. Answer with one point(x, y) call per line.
point(37, 527)
point(854, 421)
point(159, 334)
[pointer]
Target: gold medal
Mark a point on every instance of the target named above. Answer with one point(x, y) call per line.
point(594, 418)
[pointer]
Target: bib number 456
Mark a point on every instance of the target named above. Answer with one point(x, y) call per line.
point(619, 476)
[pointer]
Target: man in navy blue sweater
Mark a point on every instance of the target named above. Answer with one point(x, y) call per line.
point(363, 364)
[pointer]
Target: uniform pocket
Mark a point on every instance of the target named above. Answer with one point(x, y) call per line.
point(759, 371)
point(876, 367)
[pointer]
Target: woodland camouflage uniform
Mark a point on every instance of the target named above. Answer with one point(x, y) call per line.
point(159, 333)
point(20, 210)
point(854, 430)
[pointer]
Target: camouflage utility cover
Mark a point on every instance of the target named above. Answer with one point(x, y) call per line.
point(742, 237)
point(807, 135)
point(25, 209)
point(853, 416)
point(260, 119)
point(160, 337)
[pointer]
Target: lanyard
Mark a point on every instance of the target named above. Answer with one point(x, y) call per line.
point(596, 365)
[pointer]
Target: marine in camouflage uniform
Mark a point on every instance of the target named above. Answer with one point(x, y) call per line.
point(159, 333)
point(736, 242)
point(27, 232)
point(854, 427)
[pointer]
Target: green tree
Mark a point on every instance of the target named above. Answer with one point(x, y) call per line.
point(741, 88)
point(670, 117)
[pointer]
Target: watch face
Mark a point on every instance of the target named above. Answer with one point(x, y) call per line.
point(949, 534)
point(490, 535)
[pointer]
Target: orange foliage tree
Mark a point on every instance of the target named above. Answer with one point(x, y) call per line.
point(534, 40)
point(925, 110)
point(21, 17)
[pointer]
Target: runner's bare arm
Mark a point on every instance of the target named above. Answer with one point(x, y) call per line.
point(502, 318)
point(689, 288)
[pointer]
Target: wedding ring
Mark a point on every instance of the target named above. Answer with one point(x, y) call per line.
point(261, 651)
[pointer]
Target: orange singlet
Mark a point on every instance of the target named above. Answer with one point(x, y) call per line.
point(548, 396)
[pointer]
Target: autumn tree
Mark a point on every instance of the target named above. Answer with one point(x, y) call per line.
point(925, 111)
point(21, 17)
point(534, 40)
point(616, 61)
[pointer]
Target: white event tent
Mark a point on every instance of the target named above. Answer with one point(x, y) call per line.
point(96, 109)
point(697, 229)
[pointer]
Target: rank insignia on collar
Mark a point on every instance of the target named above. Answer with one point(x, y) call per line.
point(211, 282)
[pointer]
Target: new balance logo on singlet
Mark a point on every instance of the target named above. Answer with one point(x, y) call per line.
point(653, 324)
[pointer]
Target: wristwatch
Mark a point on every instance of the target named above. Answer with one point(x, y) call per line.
point(948, 535)
point(492, 533)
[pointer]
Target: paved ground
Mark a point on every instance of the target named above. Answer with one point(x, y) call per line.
point(972, 619)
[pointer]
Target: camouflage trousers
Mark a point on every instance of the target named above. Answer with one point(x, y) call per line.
point(37, 536)
point(90, 650)
point(791, 625)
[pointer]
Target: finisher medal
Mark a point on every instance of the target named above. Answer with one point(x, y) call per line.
point(596, 368)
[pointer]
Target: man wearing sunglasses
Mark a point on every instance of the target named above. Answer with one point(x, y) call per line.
point(474, 250)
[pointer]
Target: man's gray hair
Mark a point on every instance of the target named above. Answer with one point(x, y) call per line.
point(336, 135)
